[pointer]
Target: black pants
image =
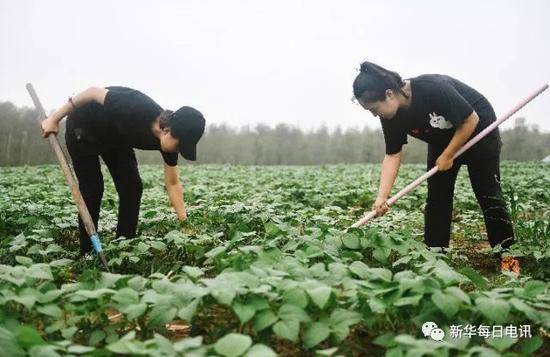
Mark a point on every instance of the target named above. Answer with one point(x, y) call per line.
point(485, 179)
point(122, 165)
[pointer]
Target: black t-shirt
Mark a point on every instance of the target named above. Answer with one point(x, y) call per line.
point(124, 121)
point(439, 105)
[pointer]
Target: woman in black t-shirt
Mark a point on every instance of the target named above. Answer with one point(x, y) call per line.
point(110, 122)
point(445, 113)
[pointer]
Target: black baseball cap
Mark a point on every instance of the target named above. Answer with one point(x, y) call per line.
point(187, 125)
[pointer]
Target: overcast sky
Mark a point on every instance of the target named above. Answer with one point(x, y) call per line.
point(244, 62)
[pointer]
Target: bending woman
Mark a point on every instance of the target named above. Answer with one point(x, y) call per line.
point(109, 123)
point(444, 113)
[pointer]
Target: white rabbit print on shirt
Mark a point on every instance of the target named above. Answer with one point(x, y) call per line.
point(439, 121)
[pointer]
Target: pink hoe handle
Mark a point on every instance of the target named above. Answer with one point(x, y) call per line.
point(466, 146)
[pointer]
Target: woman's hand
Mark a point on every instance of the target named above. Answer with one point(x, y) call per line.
point(49, 126)
point(380, 206)
point(182, 216)
point(444, 162)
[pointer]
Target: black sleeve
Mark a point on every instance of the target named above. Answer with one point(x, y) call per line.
point(451, 104)
point(394, 137)
point(170, 158)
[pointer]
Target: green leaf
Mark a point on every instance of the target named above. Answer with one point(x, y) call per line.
point(233, 345)
point(408, 300)
point(318, 270)
point(530, 312)
point(193, 272)
point(83, 295)
point(40, 271)
point(326, 352)
point(56, 326)
point(474, 277)
point(161, 315)
point(224, 295)
point(316, 333)
point(287, 329)
point(448, 304)
point(96, 337)
point(533, 288)
point(60, 263)
point(43, 351)
point(344, 318)
point(530, 345)
point(350, 241)
point(243, 311)
point(23, 260)
point(296, 297)
point(258, 303)
point(134, 311)
point(69, 332)
point(188, 311)
point(126, 296)
point(127, 346)
point(264, 319)
point(381, 254)
point(377, 305)
point(271, 229)
point(78, 349)
point(158, 245)
point(360, 269)
point(50, 310)
point(293, 312)
point(215, 252)
point(53, 248)
point(9, 344)
point(483, 351)
point(164, 346)
point(386, 340)
point(188, 343)
point(109, 279)
point(380, 273)
point(320, 295)
point(50, 296)
point(260, 350)
point(340, 332)
point(27, 337)
point(495, 310)
point(27, 301)
point(150, 214)
point(458, 293)
point(501, 344)
point(137, 283)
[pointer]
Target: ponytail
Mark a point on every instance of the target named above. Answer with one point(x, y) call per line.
point(372, 82)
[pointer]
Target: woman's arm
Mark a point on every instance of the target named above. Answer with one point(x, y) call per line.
point(51, 124)
point(445, 161)
point(175, 190)
point(390, 168)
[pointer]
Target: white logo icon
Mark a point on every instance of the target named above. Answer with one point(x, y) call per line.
point(439, 121)
point(437, 334)
point(431, 329)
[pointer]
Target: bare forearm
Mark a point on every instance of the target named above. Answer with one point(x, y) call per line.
point(390, 168)
point(91, 94)
point(175, 193)
point(461, 135)
point(62, 112)
point(175, 190)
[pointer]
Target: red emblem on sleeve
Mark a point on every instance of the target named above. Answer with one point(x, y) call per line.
point(415, 131)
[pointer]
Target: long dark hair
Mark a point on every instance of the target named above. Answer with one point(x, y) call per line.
point(372, 82)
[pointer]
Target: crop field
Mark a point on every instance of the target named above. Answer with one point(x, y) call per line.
point(264, 266)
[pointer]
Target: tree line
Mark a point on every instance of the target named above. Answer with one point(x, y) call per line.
point(22, 144)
